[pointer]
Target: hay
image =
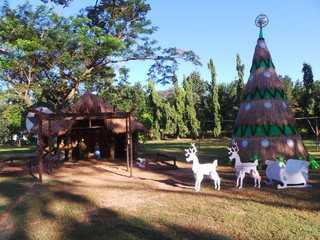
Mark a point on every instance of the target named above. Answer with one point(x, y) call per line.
point(261, 51)
point(119, 125)
point(262, 79)
point(58, 127)
point(88, 103)
point(254, 112)
point(270, 147)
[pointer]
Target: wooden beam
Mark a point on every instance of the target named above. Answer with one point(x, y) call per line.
point(40, 150)
point(94, 127)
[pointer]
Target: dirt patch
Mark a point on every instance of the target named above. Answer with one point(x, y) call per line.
point(109, 184)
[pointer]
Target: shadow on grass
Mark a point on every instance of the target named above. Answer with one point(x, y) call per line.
point(51, 211)
point(293, 198)
point(11, 189)
point(107, 224)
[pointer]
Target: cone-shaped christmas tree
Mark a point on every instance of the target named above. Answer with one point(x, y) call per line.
point(265, 125)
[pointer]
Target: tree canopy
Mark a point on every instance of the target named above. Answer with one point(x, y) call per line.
point(47, 59)
point(47, 56)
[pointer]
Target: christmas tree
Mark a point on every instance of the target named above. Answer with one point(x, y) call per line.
point(265, 125)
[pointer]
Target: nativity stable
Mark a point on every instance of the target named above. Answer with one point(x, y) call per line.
point(90, 122)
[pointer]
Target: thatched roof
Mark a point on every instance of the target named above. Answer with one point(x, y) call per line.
point(265, 124)
point(263, 79)
point(254, 112)
point(88, 103)
point(269, 147)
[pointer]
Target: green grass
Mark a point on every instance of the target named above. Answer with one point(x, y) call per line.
point(9, 151)
point(208, 149)
point(60, 208)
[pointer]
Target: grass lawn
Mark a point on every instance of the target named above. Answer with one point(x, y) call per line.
point(9, 151)
point(98, 201)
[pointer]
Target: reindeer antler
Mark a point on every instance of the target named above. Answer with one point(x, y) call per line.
point(191, 150)
point(188, 150)
point(194, 147)
point(234, 149)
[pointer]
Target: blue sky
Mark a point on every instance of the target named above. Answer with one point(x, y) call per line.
point(221, 29)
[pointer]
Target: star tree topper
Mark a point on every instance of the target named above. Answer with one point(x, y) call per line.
point(262, 21)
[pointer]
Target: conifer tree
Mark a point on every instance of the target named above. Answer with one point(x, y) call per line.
point(190, 113)
point(308, 101)
point(156, 106)
point(215, 100)
point(179, 105)
point(240, 81)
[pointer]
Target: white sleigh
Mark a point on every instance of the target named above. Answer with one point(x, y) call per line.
point(293, 174)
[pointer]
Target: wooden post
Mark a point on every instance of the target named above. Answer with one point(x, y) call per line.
point(127, 144)
point(49, 160)
point(130, 146)
point(317, 133)
point(40, 150)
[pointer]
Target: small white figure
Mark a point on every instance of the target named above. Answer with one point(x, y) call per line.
point(200, 170)
point(97, 151)
point(242, 168)
point(142, 163)
point(293, 174)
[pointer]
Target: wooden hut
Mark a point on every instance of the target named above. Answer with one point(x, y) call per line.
point(265, 124)
point(109, 131)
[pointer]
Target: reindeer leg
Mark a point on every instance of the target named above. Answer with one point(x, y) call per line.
point(238, 174)
point(237, 183)
point(196, 182)
point(199, 178)
point(241, 182)
point(259, 180)
point(213, 177)
point(242, 175)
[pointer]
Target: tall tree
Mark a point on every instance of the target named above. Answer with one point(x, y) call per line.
point(227, 94)
point(317, 98)
point(155, 102)
point(126, 96)
point(12, 120)
point(240, 82)
point(297, 92)
point(190, 113)
point(169, 119)
point(200, 92)
point(180, 107)
point(308, 101)
point(46, 55)
point(215, 100)
point(288, 86)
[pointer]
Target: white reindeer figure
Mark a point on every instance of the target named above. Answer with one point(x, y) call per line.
point(242, 168)
point(200, 170)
